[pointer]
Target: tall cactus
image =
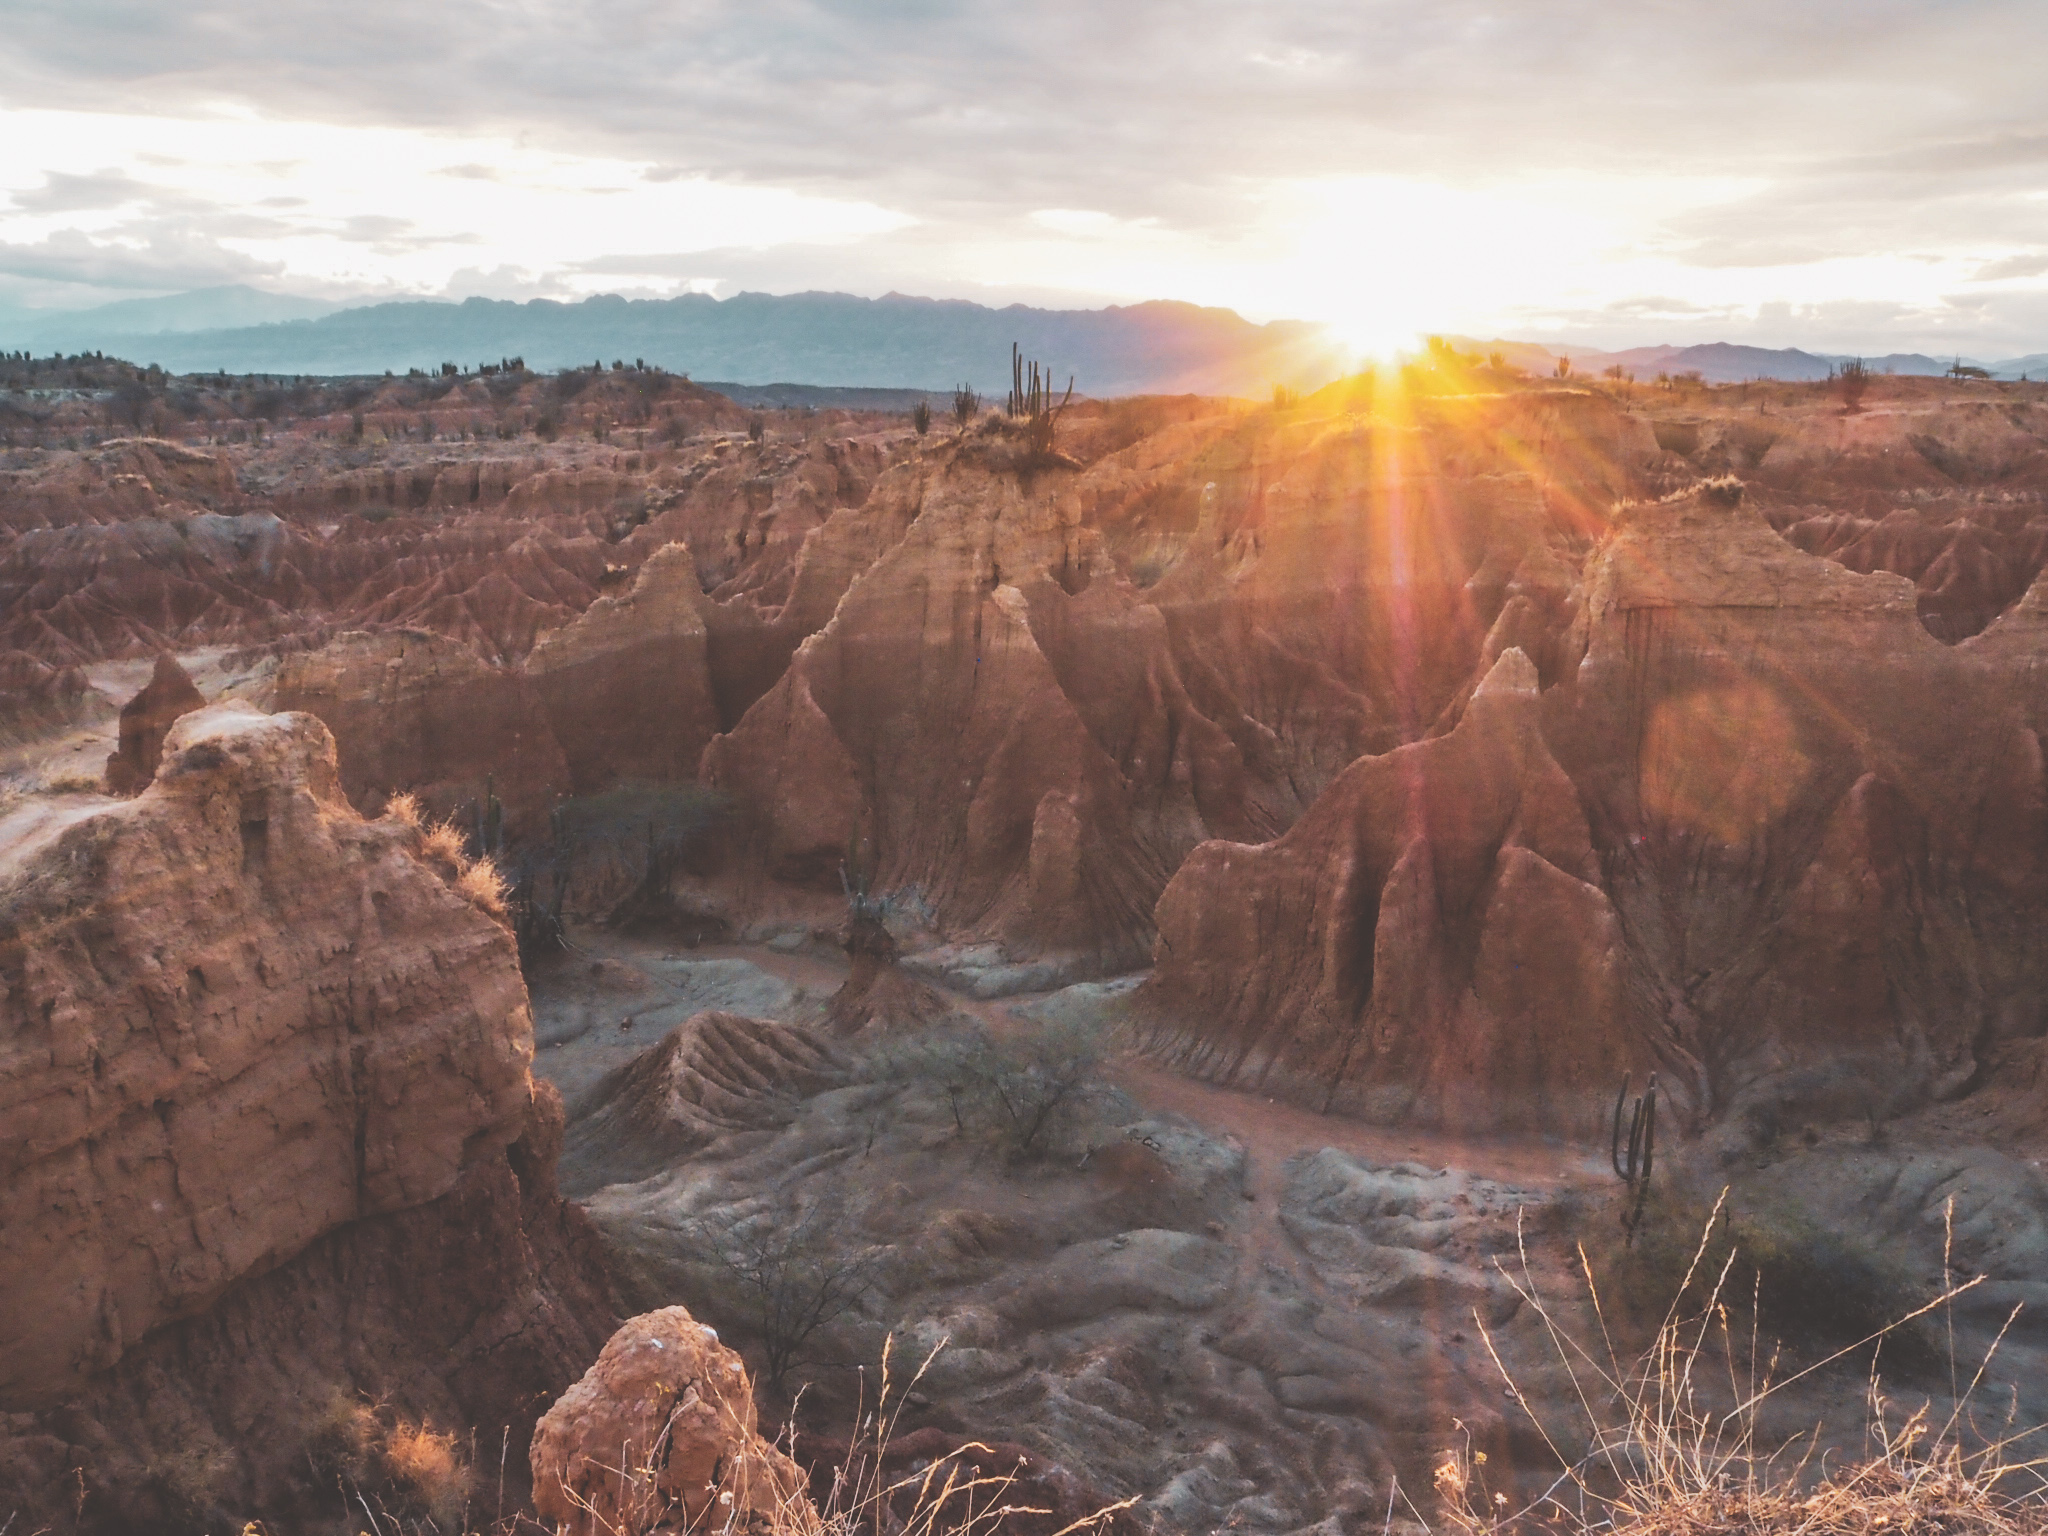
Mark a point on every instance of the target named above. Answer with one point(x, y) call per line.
point(1031, 398)
point(490, 820)
point(1633, 1166)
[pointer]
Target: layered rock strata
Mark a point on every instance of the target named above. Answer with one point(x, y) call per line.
point(269, 1137)
point(1794, 853)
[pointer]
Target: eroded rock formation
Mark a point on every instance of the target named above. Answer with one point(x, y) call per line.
point(269, 1136)
point(1430, 941)
point(419, 712)
point(1794, 852)
point(145, 720)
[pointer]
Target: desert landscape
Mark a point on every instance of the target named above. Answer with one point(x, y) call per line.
point(581, 956)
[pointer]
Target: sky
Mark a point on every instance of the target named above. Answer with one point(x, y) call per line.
point(1867, 176)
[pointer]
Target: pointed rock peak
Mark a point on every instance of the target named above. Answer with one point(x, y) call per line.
point(145, 719)
point(1513, 673)
point(671, 563)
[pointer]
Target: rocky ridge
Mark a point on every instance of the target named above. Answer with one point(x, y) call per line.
point(265, 1075)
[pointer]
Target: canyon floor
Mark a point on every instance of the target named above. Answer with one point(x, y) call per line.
point(1247, 1315)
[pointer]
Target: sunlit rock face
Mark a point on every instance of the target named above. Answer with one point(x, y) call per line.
point(269, 1142)
point(1806, 856)
point(1058, 683)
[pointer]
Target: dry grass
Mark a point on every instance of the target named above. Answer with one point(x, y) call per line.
point(445, 846)
point(485, 886)
point(430, 1472)
point(69, 781)
point(1675, 1446)
point(400, 1476)
point(442, 842)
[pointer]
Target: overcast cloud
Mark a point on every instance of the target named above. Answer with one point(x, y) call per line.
point(1865, 175)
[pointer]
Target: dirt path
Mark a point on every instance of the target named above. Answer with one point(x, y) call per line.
point(34, 824)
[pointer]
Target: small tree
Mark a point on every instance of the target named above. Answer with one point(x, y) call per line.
point(921, 417)
point(790, 1270)
point(1018, 1095)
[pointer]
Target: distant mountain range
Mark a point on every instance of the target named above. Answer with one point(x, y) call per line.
point(1721, 362)
point(830, 340)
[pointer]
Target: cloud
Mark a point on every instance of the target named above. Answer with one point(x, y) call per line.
point(166, 262)
point(2034, 264)
point(62, 192)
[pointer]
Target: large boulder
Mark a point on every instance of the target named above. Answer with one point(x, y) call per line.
point(662, 1434)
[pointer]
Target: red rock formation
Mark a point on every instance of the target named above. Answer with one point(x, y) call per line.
point(145, 720)
point(416, 712)
point(1035, 740)
point(266, 1136)
point(1429, 942)
point(626, 688)
point(38, 700)
point(1806, 872)
point(662, 1434)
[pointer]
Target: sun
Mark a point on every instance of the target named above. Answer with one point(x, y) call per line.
point(1371, 336)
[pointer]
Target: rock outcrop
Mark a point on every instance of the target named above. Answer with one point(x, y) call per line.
point(713, 1073)
point(1429, 942)
point(1056, 684)
point(626, 688)
point(265, 1080)
point(418, 712)
point(662, 1434)
point(1763, 834)
point(145, 720)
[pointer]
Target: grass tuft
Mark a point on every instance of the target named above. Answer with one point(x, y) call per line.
point(485, 886)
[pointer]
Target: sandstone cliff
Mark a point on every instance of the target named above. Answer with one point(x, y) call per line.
point(265, 1083)
point(1793, 857)
point(626, 688)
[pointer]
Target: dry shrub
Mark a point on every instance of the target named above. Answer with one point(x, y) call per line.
point(67, 781)
point(484, 886)
point(192, 1480)
point(445, 846)
point(404, 809)
point(429, 1472)
point(1665, 1459)
point(443, 843)
point(342, 1437)
point(409, 1472)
